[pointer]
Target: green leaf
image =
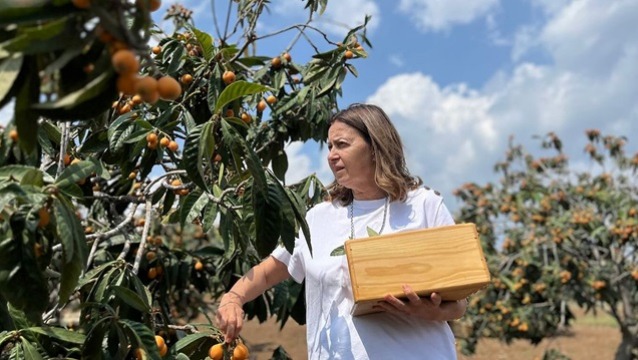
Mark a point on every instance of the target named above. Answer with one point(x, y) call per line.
point(87, 102)
point(44, 37)
point(196, 148)
point(77, 172)
point(73, 337)
point(131, 298)
point(268, 219)
point(18, 317)
point(237, 90)
point(189, 341)
point(92, 348)
point(177, 60)
point(300, 214)
point(141, 290)
point(141, 335)
point(254, 166)
point(95, 273)
point(30, 351)
point(280, 165)
point(205, 42)
point(12, 12)
point(210, 213)
point(26, 119)
point(338, 251)
point(74, 249)
point(9, 70)
point(192, 207)
point(19, 172)
point(371, 232)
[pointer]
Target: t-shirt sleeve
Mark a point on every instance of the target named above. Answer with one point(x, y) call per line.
point(443, 215)
point(437, 214)
point(296, 261)
point(293, 261)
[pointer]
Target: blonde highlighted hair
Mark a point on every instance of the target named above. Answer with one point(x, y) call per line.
point(391, 173)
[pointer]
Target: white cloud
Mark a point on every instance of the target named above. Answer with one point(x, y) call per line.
point(298, 163)
point(591, 36)
point(455, 134)
point(437, 15)
point(444, 129)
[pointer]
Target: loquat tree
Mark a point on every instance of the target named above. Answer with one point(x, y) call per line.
point(556, 236)
point(136, 182)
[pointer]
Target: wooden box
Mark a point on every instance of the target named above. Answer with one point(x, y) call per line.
point(447, 260)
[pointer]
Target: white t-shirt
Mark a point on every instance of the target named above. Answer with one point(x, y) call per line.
point(332, 332)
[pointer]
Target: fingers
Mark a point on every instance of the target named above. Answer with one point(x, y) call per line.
point(436, 299)
point(412, 296)
point(230, 320)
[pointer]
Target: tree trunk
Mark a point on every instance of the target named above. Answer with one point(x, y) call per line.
point(628, 348)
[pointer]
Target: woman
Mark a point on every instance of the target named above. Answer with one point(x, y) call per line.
point(372, 188)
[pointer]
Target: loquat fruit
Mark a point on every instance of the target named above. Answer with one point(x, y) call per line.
point(261, 106)
point(81, 4)
point(126, 83)
point(125, 62)
point(271, 99)
point(44, 218)
point(275, 62)
point(245, 117)
point(240, 352)
point(228, 77)
point(151, 137)
point(88, 68)
point(169, 88)
point(13, 135)
point(216, 352)
point(164, 142)
point(146, 87)
point(150, 5)
point(173, 146)
point(287, 57)
point(348, 54)
point(150, 256)
point(152, 273)
point(124, 109)
point(199, 266)
point(136, 99)
point(103, 35)
point(186, 79)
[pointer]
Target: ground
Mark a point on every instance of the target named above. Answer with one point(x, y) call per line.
point(591, 337)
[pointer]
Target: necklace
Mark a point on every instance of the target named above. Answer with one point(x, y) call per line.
point(385, 213)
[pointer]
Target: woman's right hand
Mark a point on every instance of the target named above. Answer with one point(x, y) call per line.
point(230, 317)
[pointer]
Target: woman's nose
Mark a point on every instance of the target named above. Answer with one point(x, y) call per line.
point(332, 154)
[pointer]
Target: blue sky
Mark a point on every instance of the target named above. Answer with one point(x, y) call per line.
point(458, 77)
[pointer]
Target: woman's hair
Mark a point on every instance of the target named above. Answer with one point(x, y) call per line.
point(391, 173)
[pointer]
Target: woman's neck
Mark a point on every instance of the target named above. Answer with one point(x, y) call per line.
point(371, 194)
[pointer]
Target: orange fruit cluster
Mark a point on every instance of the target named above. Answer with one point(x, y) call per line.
point(181, 192)
point(216, 352)
point(161, 345)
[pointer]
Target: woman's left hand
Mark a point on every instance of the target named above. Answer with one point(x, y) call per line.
point(428, 308)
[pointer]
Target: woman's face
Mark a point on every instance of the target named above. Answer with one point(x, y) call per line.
point(351, 160)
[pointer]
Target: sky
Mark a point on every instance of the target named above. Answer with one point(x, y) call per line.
point(459, 77)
